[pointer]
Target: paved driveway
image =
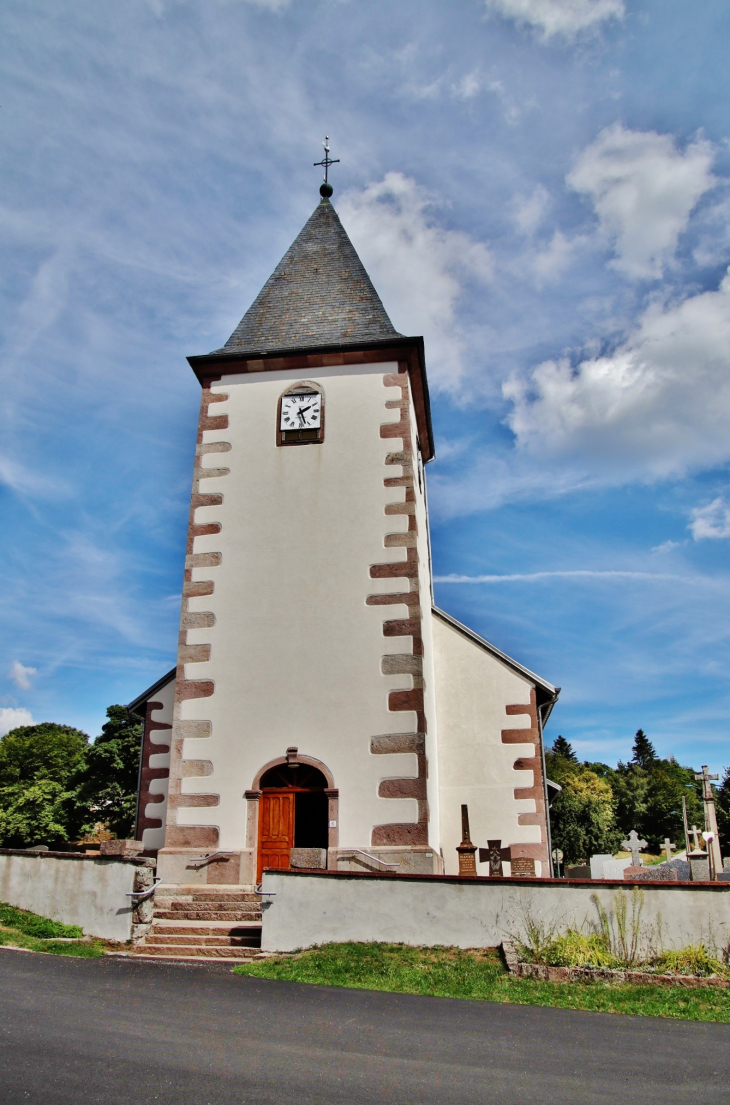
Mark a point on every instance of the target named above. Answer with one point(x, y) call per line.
point(74, 1032)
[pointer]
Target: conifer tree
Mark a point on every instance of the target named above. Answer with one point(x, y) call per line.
point(562, 747)
point(644, 753)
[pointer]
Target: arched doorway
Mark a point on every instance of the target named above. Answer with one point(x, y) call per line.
point(293, 813)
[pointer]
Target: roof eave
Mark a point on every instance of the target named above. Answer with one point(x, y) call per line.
point(143, 698)
point(221, 363)
point(549, 692)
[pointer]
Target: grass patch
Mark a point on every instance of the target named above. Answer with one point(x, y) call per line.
point(480, 975)
point(20, 929)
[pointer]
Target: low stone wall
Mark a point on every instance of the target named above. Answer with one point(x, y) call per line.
point(89, 891)
point(318, 908)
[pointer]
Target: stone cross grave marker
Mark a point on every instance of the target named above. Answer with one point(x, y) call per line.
point(696, 834)
point(668, 848)
point(634, 845)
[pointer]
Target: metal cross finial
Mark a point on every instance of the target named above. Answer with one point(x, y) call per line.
point(326, 188)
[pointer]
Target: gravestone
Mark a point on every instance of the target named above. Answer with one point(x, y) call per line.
point(597, 863)
point(668, 848)
point(614, 868)
point(580, 871)
point(521, 867)
point(466, 850)
point(634, 845)
point(493, 856)
point(699, 866)
point(660, 873)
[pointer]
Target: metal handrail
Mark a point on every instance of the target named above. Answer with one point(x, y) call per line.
point(367, 855)
point(142, 895)
point(206, 859)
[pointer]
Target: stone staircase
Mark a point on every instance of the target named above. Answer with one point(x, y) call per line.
point(204, 922)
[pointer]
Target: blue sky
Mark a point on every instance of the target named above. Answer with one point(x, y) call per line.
point(540, 187)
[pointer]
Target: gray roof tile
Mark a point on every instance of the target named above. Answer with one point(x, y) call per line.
point(318, 294)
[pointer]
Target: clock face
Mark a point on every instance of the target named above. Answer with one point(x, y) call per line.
point(301, 412)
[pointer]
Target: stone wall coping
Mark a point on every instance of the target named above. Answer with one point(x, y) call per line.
point(139, 861)
point(508, 880)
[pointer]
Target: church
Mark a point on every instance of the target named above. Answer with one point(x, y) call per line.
point(323, 712)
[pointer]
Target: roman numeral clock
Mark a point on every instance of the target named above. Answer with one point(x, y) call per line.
point(300, 417)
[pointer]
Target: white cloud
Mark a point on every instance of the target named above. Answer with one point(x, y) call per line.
point(712, 520)
point(565, 18)
point(416, 266)
point(529, 212)
point(20, 675)
point(575, 573)
point(643, 189)
point(12, 717)
point(659, 405)
point(549, 263)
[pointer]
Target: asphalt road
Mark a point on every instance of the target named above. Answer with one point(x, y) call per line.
point(75, 1031)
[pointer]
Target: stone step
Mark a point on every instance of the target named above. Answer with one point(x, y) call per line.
point(207, 896)
point(195, 951)
point(251, 940)
point(205, 928)
point(206, 915)
point(202, 905)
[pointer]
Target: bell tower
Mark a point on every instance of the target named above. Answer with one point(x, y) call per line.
point(304, 710)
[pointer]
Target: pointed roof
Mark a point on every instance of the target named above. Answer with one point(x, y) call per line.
point(319, 294)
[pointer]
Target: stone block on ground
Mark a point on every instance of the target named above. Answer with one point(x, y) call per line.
point(127, 849)
point(581, 871)
point(309, 858)
point(699, 865)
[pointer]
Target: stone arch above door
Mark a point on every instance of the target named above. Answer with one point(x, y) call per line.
point(290, 759)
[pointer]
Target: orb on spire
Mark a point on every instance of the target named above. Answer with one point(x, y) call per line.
point(326, 189)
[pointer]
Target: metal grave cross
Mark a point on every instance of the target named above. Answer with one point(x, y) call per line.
point(634, 845)
point(668, 847)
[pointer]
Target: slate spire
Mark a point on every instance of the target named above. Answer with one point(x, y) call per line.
point(318, 295)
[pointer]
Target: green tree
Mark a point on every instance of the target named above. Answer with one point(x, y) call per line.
point(668, 781)
point(562, 747)
point(722, 807)
point(644, 753)
point(107, 790)
point(45, 751)
point(630, 786)
point(582, 819)
point(39, 766)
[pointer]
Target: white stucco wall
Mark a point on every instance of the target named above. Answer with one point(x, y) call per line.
point(154, 839)
point(319, 909)
point(429, 685)
point(77, 890)
point(473, 687)
point(295, 651)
